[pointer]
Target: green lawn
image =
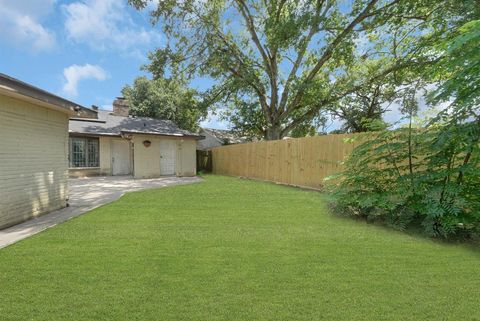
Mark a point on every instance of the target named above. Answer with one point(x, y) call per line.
point(231, 249)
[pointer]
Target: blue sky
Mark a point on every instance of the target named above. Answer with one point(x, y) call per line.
point(83, 50)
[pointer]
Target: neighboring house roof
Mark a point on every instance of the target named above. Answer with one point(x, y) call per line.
point(109, 124)
point(12, 87)
point(218, 137)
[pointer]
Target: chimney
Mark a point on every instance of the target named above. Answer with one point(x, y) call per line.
point(94, 107)
point(120, 107)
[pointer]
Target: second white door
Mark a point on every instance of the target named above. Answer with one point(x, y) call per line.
point(168, 151)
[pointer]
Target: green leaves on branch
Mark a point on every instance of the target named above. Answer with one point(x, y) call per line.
point(441, 191)
point(293, 60)
point(428, 175)
point(165, 99)
point(459, 69)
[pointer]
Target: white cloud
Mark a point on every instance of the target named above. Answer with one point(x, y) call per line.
point(21, 24)
point(75, 73)
point(104, 24)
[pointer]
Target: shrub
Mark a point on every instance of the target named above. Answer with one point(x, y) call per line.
point(430, 175)
point(408, 175)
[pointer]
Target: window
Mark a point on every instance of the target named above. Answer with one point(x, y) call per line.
point(84, 152)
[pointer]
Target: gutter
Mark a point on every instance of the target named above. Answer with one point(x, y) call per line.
point(197, 137)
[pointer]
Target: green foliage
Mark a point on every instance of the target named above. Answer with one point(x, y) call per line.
point(440, 187)
point(460, 69)
point(432, 174)
point(363, 109)
point(165, 99)
point(245, 117)
point(290, 61)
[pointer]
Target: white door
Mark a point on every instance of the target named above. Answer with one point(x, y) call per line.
point(168, 151)
point(121, 157)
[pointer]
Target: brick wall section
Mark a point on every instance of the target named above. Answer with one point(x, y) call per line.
point(33, 160)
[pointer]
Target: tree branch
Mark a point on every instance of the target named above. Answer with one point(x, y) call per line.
point(316, 108)
point(327, 55)
point(301, 53)
point(270, 66)
point(243, 8)
point(261, 95)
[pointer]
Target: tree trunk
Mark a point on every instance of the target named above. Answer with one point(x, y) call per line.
point(273, 133)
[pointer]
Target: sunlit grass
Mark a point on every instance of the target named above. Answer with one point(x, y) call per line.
point(231, 249)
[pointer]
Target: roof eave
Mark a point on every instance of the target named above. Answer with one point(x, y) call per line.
point(196, 137)
point(15, 88)
point(76, 133)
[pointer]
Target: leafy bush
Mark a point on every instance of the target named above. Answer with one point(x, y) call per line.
point(429, 175)
point(407, 175)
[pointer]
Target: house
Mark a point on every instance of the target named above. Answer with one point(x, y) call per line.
point(33, 150)
point(214, 138)
point(119, 144)
point(218, 137)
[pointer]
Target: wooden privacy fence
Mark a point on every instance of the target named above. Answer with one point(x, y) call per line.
point(297, 161)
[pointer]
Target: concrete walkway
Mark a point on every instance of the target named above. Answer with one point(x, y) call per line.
point(85, 195)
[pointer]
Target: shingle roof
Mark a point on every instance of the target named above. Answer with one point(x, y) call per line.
point(108, 124)
point(226, 136)
point(218, 137)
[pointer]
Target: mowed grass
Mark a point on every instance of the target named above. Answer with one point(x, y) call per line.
point(231, 249)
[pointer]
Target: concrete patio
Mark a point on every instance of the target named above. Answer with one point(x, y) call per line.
point(85, 195)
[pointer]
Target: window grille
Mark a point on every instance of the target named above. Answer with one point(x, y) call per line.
point(84, 152)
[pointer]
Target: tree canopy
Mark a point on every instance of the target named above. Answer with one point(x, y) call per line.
point(458, 71)
point(167, 99)
point(285, 61)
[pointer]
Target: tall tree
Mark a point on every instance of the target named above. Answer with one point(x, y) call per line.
point(364, 109)
point(361, 110)
point(166, 99)
point(290, 57)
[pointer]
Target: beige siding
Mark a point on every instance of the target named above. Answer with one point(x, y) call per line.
point(147, 159)
point(187, 158)
point(105, 156)
point(208, 142)
point(33, 160)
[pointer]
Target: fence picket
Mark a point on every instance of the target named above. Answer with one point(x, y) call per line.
point(296, 161)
